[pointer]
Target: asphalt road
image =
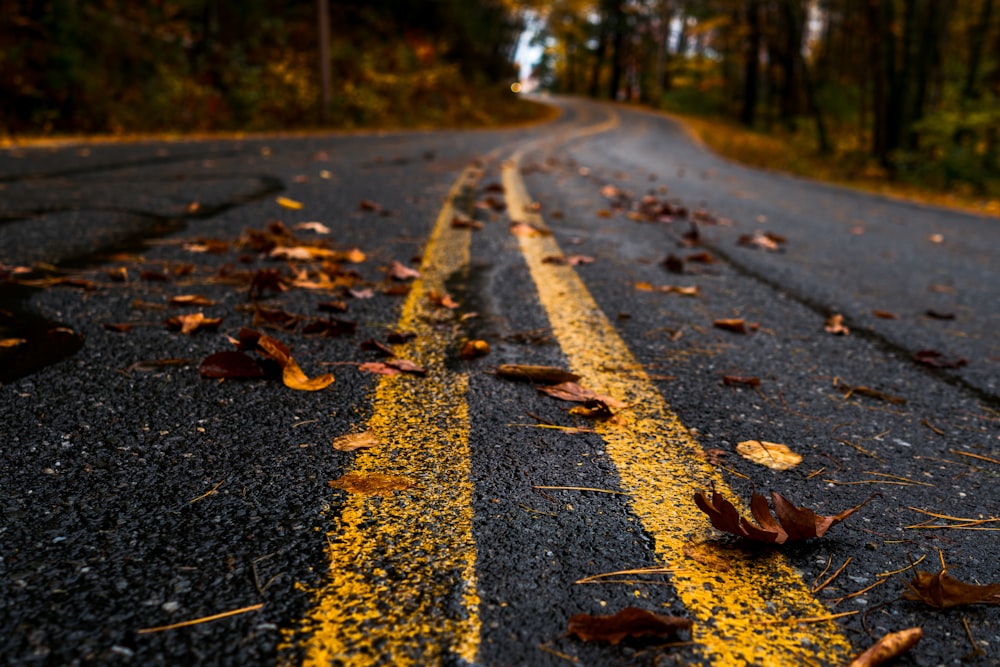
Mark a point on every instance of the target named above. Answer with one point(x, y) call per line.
point(141, 499)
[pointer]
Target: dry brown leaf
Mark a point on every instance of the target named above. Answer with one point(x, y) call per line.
point(571, 391)
point(888, 647)
point(629, 622)
point(378, 368)
point(317, 227)
point(188, 324)
point(733, 380)
point(942, 591)
point(352, 441)
point(536, 374)
point(465, 222)
point(230, 364)
point(442, 299)
point(190, 300)
point(291, 374)
point(399, 271)
point(593, 409)
point(835, 325)
point(371, 484)
point(935, 359)
point(474, 348)
point(885, 315)
point(14, 342)
point(736, 325)
point(792, 524)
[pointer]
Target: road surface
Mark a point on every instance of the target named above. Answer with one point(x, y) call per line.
point(156, 516)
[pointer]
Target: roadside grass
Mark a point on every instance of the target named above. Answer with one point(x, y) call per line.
point(797, 153)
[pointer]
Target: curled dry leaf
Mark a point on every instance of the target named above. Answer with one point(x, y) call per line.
point(793, 523)
point(399, 271)
point(773, 455)
point(935, 359)
point(849, 391)
point(371, 484)
point(465, 222)
point(230, 365)
point(888, 647)
point(291, 204)
point(736, 325)
point(536, 374)
point(188, 324)
point(734, 380)
point(475, 348)
point(190, 300)
point(393, 367)
point(352, 441)
point(291, 374)
point(316, 227)
point(644, 286)
point(442, 299)
point(571, 391)
point(593, 409)
point(942, 591)
point(629, 622)
point(835, 325)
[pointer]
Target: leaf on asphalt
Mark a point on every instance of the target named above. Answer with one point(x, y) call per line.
point(644, 286)
point(369, 205)
point(393, 367)
point(792, 524)
point(763, 240)
point(14, 342)
point(290, 204)
point(491, 203)
point(942, 591)
point(700, 258)
point(230, 364)
point(120, 327)
point(535, 374)
point(190, 300)
point(400, 337)
point(365, 293)
point(316, 227)
point(291, 374)
point(275, 318)
point(573, 392)
point(773, 455)
point(353, 256)
point(938, 315)
point(371, 484)
point(593, 409)
point(332, 306)
point(267, 280)
point(568, 260)
point(352, 441)
point(527, 231)
point(735, 380)
point(213, 246)
point(673, 264)
point(885, 315)
point(936, 359)
point(736, 325)
point(188, 324)
point(442, 299)
point(629, 622)
point(372, 345)
point(407, 366)
point(835, 325)
point(330, 327)
point(399, 271)
point(888, 647)
point(465, 222)
point(303, 253)
point(849, 391)
point(473, 349)
point(147, 275)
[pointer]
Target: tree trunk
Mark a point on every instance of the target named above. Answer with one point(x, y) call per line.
point(751, 63)
point(970, 90)
point(324, 60)
point(618, 50)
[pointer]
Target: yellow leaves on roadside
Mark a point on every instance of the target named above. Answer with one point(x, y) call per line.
point(371, 484)
point(770, 454)
point(888, 647)
point(188, 324)
point(792, 524)
point(352, 441)
point(291, 204)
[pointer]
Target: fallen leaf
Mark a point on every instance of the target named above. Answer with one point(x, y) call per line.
point(888, 647)
point(366, 293)
point(573, 392)
point(674, 264)
point(938, 315)
point(188, 324)
point(793, 523)
point(302, 253)
point(942, 591)
point(644, 286)
point(190, 300)
point(593, 409)
point(736, 325)
point(291, 204)
point(399, 271)
point(442, 299)
point(835, 325)
point(733, 380)
point(276, 318)
point(474, 348)
point(14, 342)
point(316, 227)
point(291, 374)
point(371, 484)
point(352, 441)
point(372, 345)
point(764, 240)
point(935, 359)
point(536, 374)
point(465, 222)
point(942, 289)
point(773, 455)
point(120, 327)
point(629, 622)
point(369, 205)
point(885, 315)
point(267, 280)
point(230, 364)
point(354, 256)
point(526, 230)
point(849, 391)
point(399, 337)
point(332, 306)
point(378, 368)
point(407, 366)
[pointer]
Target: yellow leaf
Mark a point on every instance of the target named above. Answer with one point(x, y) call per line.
point(351, 441)
point(771, 454)
point(294, 378)
point(285, 202)
point(12, 342)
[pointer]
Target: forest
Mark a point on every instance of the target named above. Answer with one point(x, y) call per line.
point(897, 90)
point(906, 89)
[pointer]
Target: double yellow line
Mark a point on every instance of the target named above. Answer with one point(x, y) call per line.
point(397, 561)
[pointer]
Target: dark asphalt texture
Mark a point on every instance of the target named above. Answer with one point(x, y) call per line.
point(104, 466)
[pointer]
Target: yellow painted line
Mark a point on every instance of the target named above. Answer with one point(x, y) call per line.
point(736, 611)
point(402, 581)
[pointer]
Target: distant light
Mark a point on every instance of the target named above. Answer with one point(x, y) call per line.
point(515, 87)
